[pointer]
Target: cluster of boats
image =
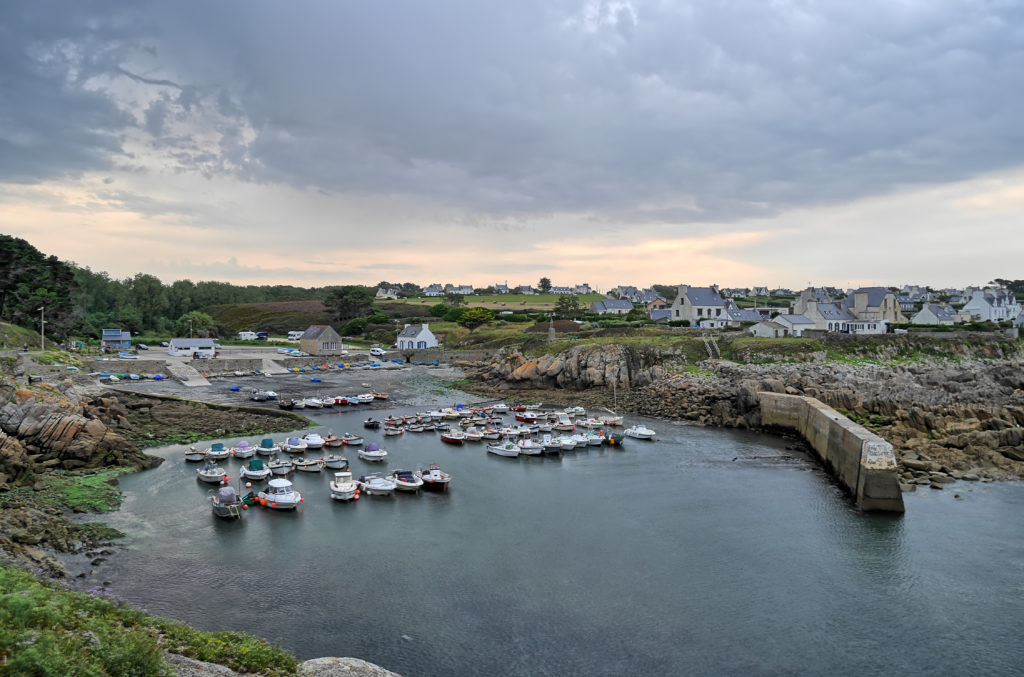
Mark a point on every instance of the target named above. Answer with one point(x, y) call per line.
point(318, 401)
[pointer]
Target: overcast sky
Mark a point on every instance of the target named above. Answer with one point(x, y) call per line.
point(742, 142)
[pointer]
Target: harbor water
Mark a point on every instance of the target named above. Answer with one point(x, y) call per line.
point(704, 552)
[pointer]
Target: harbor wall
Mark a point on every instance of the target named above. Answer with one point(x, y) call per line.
point(863, 462)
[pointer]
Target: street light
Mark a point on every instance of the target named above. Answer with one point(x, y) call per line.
point(42, 323)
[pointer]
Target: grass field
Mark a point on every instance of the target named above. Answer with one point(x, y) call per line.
point(503, 301)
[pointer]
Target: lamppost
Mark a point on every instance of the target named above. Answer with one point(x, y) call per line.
point(42, 323)
point(190, 327)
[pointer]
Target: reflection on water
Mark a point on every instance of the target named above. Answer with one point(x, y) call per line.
point(707, 551)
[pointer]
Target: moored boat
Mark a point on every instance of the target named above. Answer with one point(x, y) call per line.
point(308, 464)
point(211, 474)
point(281, 466)
point(243, 450)
point(434, 479)
point(226, 502)
point(193, 455)
point(453, 437)
point(506, 448)
point(279, 494)
point(372, 452)
point(217, 451)
point(376, 485)
point(268, 447)
point(332, 440)
point(294, 445)
point(406, 480)
point(371, 424)
point(351, 440)
point(530, 447)
point(313, 441)
point(335, 462)
point(343, 487)
point(640, 432)
point(255, 469)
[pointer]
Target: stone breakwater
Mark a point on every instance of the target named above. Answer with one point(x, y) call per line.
point(945, 420)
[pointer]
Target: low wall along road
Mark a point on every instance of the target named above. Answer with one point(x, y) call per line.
point(863, 462)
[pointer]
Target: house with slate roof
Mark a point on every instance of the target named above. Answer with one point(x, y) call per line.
point(769, 329)
point(320, 339)
point(389, 293)
point(835, 317)
point(661, 314)
point(501, 289)
point(815, 294)
point(416, 337)
point(697, 304)
point(874, 303)
point(994, 305)
point(115, 339)
point(936, 313)
point(794, 324)
point(565, 291)
point(582, 289)
point(433, 290)
point(611, 307)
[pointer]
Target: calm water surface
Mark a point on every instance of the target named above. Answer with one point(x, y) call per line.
point(706, 552)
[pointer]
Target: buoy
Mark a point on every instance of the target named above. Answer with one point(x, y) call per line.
point(302, 500)
point(225, 478)
point(245, 507)
point(248, 485)
point(274, 504)
point(263, 501)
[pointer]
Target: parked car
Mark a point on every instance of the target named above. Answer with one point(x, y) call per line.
point(376, 351)
point(141, 346)
point(164, 344)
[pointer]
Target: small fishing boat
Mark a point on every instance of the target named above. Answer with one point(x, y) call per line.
point(434, 479)
point(473, 434)
point(376, 484)
point(640, 432)
point(313, 403)
point(373, 452)
point(453, 437)
point(226, 502)
point(335, 462)
point(500, 408)
point(530, 447)
point(281, 466)
point(343, 487)
point(506, 448)
point(380, 396)
point(308, 464)
point(551, 444)
point(611, 419)
point(211, 474)
point(193, 455)
point(406, 480)
point(332, 440)
point(365, 398)
point(294, 445)
point(280, 495)
point(268, 447)
point(415, 428)
point(287, 405)
point(243, 450)
point(217, 451)
point(254, 470)
point(371, 424)
point(313, 441)
point(348, 439)
point(392, 431)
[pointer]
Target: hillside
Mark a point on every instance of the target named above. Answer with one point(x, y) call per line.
point(277, 317)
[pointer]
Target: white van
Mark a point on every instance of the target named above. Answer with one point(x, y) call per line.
point(246, 336)
point(295, 335)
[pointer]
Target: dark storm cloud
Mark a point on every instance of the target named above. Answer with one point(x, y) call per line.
point(701, 111)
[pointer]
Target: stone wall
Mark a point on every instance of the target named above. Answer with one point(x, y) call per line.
point(863, 462)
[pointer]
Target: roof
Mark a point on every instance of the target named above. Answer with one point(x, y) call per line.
point(794, 319)
point(941, 312)
point(659, 314)
point(315, 331)
point(412, 331)
point(745, 315)
point(875, 296)
point(704, 296)
point(833, 311)
point(617, 304)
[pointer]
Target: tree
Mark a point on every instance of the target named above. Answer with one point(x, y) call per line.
point(544, 285)
point(349, 301)
point(475, 317)
point(195, 323)
point(568, 307)
point(454, 299)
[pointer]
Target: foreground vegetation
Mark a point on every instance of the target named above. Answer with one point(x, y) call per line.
point(48, 630)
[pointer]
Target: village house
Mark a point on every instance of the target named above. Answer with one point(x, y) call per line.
point(192, 347)
point(463, 289)
point(387, 294)
point(936, 313)
point(115, 339)
point(769, 329)
point(581, 289)
point(660, 314)
point(564, 291)
point(657, 303)
point(874, 303)
point(320, 339)
point(795, 325)
point(526, 289)
point(992, 305)
point(433, 290)
point(415, 337)
point(697, 304)
point(611, 307)
point(501, 288)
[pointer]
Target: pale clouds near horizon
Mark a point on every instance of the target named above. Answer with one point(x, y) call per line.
point(602, 141)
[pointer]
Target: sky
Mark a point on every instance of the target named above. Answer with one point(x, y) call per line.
point(742, 142)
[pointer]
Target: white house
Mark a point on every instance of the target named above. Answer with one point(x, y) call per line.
point(994, 305)
point(611, 307)
point(697, 304)
point(934, 313)
point(387, 293)
point(796, 325)
point(416, 336)
point(191, 347)
point(433, 290)
point(769, 329)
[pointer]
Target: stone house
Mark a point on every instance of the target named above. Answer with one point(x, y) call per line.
point(697, 304)
point(321, 339)
point(874, 303)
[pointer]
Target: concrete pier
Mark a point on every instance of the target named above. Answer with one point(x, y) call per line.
point(863, 462)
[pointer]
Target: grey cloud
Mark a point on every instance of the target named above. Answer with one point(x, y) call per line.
point(676, 112)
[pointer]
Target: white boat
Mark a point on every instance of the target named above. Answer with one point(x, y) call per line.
point(313, 441)
point(217, 451)
point(376, 485)
point(193, 455)
point(566, 443)
point(640, 432)
point(313, 403)
point(530, 447)
point(576, 411)
point(212, 474)
point(255, 469)
point(281, 466)
point(595, 439)
point(492, 434)
point(243, 450)
point(308, 464)
point(564, 424)
point(580, 440)
point(226, 503)
point(268, 447)
point(551, 444)
point(453, 437)
point(500, 408)
point(365, 398)
point(592, 422)
point(473, 434)
point(279, 494)
point(373, 452)
point(294, 445)
point(343, 487)
point(434, 479)
point(335, 462)
point(351, 440)
point(390, 430)
point(332, 440)
point(610, 419)
point(406, 480)
point(506, 448)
